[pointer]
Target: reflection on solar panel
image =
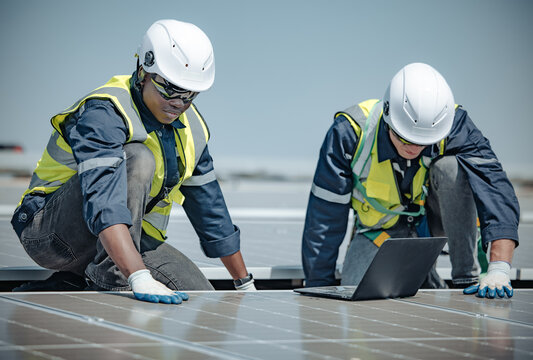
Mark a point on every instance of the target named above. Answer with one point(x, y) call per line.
point(265, 325)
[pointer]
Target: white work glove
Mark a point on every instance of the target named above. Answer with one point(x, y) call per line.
point(146, 288)
point(249, 286)
point(497, 281)
point(248, 283)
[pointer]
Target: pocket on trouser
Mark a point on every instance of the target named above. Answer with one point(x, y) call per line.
point(49, 251)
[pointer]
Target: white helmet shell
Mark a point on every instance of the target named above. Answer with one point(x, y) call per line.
point(179, 52)
point(418, 105)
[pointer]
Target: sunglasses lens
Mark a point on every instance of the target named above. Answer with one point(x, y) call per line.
point(405, 141)
point(402, 139)
point(169, 91)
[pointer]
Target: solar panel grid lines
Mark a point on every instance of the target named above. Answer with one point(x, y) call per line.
point(474, 327)
point(217, 314)
point(247, 339)
point(473, 339)
point(269, 342)
point(348, 329)
point(310, 337)
point(271, 324)
point(495, 316)
point(130, 331)
point(231, 295)
point(515, 310)
point(401, 327)
point(315, 339)
point(39, 331)
point(416, 316)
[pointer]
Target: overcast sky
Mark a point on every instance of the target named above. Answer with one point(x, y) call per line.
point(283, 68)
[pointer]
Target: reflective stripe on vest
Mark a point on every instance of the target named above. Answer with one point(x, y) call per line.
point(57, 165)
point(118, 91)
point(480, 161)
point(330, 196)
point(58, 149)
point(98, 162)
point(200, 179)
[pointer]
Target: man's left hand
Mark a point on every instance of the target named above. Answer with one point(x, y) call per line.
point(496, 282)
point(249, 286)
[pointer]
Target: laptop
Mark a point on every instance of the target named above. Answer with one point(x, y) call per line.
point(398, 270)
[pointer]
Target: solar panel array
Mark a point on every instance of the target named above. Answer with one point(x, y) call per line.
point(265, 325)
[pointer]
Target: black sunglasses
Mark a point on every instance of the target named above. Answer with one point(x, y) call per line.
point(170, 91)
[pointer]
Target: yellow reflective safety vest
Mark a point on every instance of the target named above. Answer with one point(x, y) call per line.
point(57, 163)
point(376, 194)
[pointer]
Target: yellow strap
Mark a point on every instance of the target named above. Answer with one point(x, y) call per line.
point(381, 238)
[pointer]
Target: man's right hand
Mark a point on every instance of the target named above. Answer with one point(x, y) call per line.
point(146, 288)
point(496, 282)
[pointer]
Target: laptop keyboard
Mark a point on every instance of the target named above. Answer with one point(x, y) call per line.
point(341, 290)
point(346, 290)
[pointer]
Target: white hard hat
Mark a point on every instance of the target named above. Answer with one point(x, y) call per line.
point(179, 52)
point(418, 105)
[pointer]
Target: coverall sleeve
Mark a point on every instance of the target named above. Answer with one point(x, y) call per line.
point(329, 205)
point(96, 134)
point(207, 211)
point(495, 198)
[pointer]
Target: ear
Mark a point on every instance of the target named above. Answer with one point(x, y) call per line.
point(141, 75)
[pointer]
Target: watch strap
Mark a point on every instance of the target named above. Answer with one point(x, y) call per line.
point(244, 280)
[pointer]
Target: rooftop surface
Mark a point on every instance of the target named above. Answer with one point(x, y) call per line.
point(265, 325)
point(441, 324)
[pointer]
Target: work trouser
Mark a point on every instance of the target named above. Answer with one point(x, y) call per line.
point(451, 212)
point(57, 238)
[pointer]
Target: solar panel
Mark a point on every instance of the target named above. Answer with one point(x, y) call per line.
point(265, 325)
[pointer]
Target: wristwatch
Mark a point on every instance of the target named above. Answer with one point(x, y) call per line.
point(244, 280)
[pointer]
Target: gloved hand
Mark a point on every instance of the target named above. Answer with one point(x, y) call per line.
point(249, 286)
point(245, 284)
point(146, 288)
point(497, 281)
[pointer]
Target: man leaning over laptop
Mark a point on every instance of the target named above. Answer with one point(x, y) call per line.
point(408, 164)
